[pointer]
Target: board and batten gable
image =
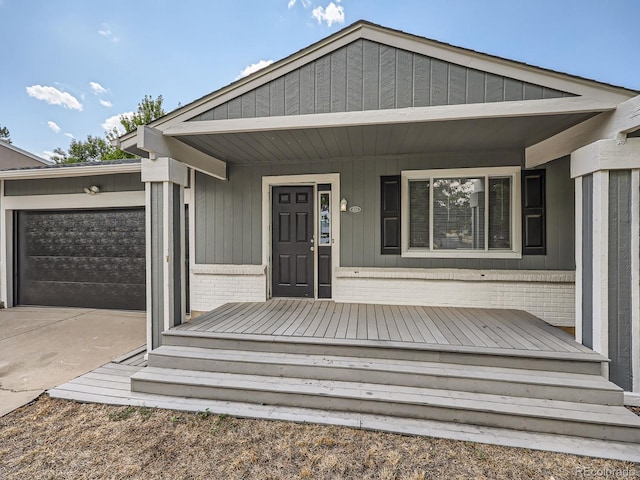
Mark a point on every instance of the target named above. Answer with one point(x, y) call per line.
point(228, 217)
point(118, 182)
point(366, 75)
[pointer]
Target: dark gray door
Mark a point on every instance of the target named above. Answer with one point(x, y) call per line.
point(292, 241)
point(81, 258)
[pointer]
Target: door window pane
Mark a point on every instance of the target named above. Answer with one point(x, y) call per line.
point(500, 213)
point(458, 213)
point(419, 213)
point(325, 219)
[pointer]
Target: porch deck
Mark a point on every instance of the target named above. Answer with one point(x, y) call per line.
point(440, 328)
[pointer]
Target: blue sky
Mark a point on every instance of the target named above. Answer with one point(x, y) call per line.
point(69, 65)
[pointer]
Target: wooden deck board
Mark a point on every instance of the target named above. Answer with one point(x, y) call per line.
point(450, 326)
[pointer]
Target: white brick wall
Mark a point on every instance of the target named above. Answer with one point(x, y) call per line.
point(215, 285)
point(553, 301)
point(548, 295)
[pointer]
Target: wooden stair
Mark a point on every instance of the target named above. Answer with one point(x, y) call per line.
point(546, 392)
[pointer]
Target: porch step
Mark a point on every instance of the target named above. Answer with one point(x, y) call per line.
point(572, 387)
point(529, 414)
point(568, 362)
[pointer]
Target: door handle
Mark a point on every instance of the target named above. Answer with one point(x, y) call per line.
point(311, 248)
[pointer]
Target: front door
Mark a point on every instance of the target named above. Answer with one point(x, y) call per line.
point(292, 241)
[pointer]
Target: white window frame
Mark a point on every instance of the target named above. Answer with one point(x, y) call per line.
point(516, 212)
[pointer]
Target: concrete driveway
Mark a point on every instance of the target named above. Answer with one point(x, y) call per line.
point(42, 347)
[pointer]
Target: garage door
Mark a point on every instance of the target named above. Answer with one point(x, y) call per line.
point(81, 258)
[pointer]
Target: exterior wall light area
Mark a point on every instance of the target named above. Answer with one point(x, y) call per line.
point(343, 205)
point(92, 190)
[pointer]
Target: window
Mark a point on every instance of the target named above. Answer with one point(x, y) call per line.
point(469, 213)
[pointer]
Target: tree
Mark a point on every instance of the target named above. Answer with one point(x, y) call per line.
point(5, 136)
point(93, 149)
point(96, 149)
point(148, 110)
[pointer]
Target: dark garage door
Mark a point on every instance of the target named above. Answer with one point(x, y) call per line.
point(81, 258)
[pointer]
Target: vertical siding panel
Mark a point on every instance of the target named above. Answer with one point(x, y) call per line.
point(371, 76)
point(339, 80)
point(421, 81)
point(239, 194)
point(200, 220)
point(494, 90)
point(323, 84)
point(276, 100)
point(513, 90)
point(347, 184)
point(221, 112)
point(404, 79)
point(532, 92)
point(475, 86)
point(249, 104)
point(370, 213)
point(357, 198)
point(255, 185)
point(551, 93)
point(262, 101)
point(217, 223)
point(620, 278)
point(235, 108)
point(387, 77)
point(457, 85)
point(307, 89)
point(292, 93)
point(439, 80)
point(354, 76)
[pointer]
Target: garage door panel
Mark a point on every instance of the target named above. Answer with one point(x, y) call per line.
point(86, 295)
point(88, 269)
point(83, 258)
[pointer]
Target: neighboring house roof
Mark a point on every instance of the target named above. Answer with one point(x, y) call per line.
point(124, 165)
point(14, 157)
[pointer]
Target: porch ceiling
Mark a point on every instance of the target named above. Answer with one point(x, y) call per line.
point(307, 144)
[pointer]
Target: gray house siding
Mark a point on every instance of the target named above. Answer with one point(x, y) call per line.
point(619, 283)
point(366, 75)
point(119, 182)
point(587, 260)
point(229, 216)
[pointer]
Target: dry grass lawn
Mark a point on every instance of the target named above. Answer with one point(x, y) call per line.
point(67, 440)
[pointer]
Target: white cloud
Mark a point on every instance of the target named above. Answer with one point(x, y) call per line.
point(70, 135)
point(96, 88)
point(105, 31)
point(53, 126)
point(48, 154)
point(114, 122)
point(305, 3)
point(332, 14)
point(53, 96)
point(106, 103)
point(254, 67)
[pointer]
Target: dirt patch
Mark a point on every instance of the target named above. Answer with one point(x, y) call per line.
point(635, 410)
point(60, 439)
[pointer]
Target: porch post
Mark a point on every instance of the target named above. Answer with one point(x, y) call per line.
point(607, 175)
point(165, 179)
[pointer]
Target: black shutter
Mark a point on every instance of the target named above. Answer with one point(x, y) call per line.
point(534, 229)
point(390, 214)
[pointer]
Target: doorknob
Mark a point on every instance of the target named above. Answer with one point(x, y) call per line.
point(311, 248)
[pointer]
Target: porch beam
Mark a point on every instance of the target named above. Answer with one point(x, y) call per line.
point(153, 141)
point(610, 125)
point(554, 106)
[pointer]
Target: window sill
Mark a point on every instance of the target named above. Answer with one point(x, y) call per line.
point(460, 254)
